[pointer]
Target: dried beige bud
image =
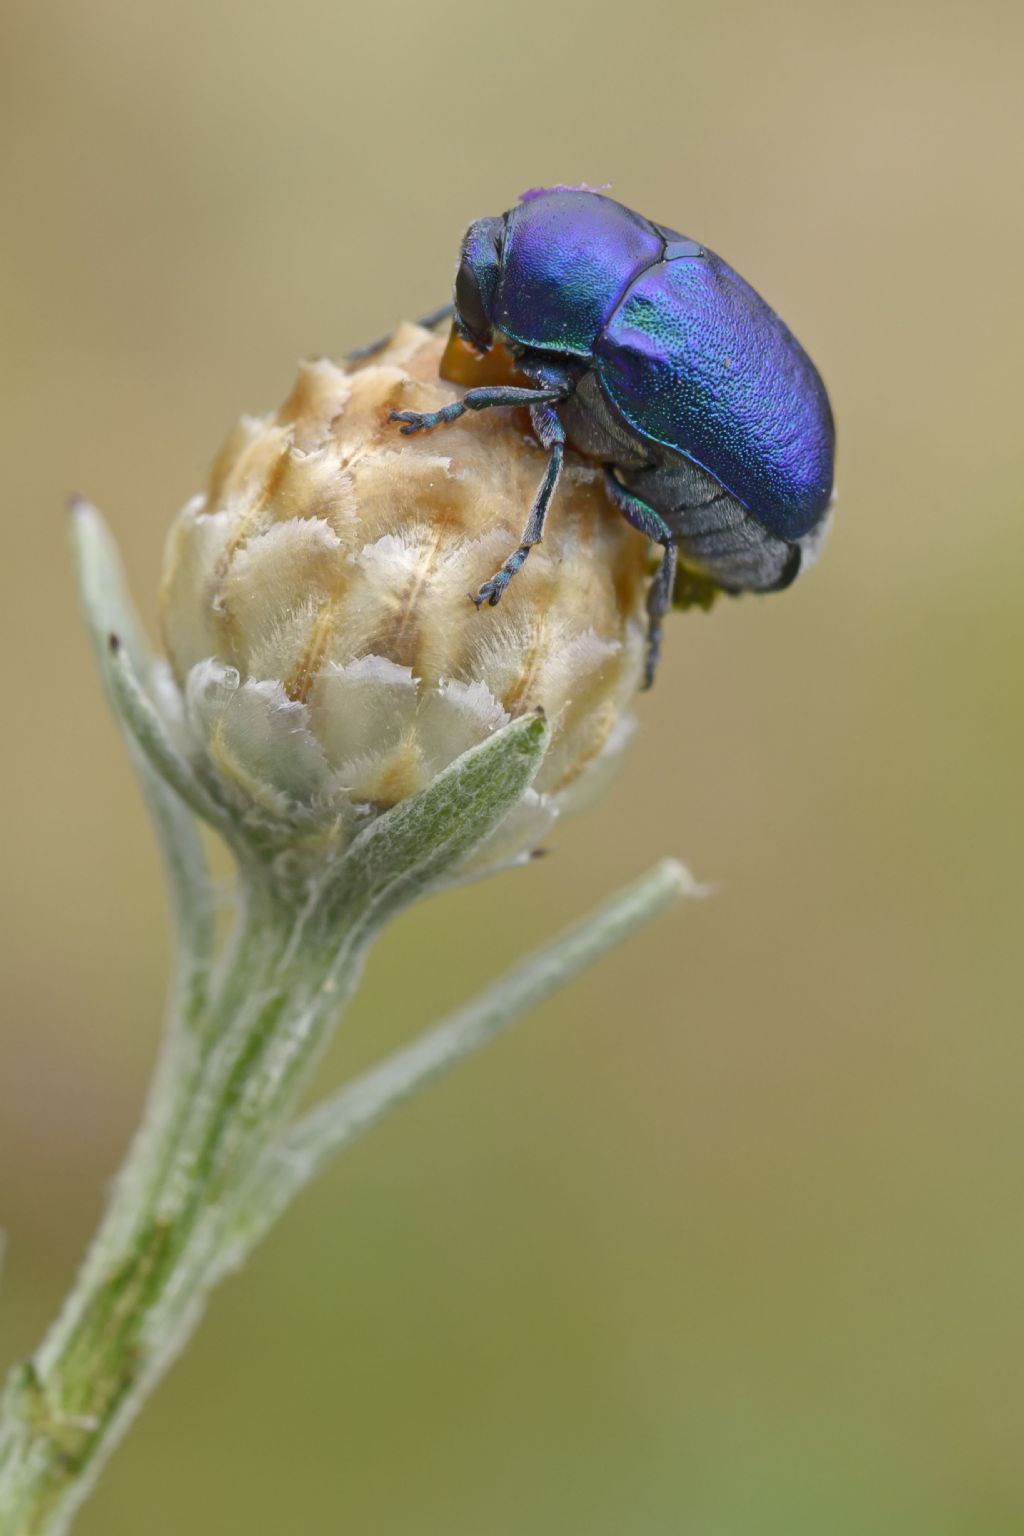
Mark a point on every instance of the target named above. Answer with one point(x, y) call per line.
point(316, 613)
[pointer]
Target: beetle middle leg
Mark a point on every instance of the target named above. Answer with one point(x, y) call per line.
point(659, 596)
point(551, 434)
point(482, 399)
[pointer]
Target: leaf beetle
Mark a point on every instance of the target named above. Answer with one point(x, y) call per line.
point(645, 350)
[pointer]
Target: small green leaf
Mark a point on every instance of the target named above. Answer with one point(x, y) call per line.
point(423, 838)
point(109, 611)
point(141, 719)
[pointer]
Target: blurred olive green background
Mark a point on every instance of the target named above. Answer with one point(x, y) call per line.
point(730, 1238)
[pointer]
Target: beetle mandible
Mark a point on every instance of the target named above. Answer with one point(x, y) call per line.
point(648, 352)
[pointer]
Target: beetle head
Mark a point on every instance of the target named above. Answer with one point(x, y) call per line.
point(476, 280)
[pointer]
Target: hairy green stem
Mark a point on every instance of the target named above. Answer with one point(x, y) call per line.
point(156, 1255)
point(231, 1074)
point(218, 1160)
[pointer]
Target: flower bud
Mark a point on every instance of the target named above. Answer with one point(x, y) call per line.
point(316, 611)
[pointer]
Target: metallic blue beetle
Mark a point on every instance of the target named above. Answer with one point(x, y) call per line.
point(648, 352)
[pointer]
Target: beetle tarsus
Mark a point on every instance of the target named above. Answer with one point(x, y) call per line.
point(653, 653)
point(659, 597)
point(551, 434)
point(491, 591)
point(658, 604)
point(425, 421)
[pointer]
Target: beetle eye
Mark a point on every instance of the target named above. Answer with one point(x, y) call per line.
point(477, 279)
point(469, 305)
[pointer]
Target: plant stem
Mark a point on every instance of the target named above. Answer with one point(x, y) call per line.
point(217, 1158)
point(216, 1107)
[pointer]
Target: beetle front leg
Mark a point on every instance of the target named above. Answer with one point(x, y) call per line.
point(482, 399)
point(659, 596)
point(552, 435)
point(428, 322)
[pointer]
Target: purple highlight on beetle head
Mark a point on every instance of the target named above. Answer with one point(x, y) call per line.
point(561, 186)
point(565, 259)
